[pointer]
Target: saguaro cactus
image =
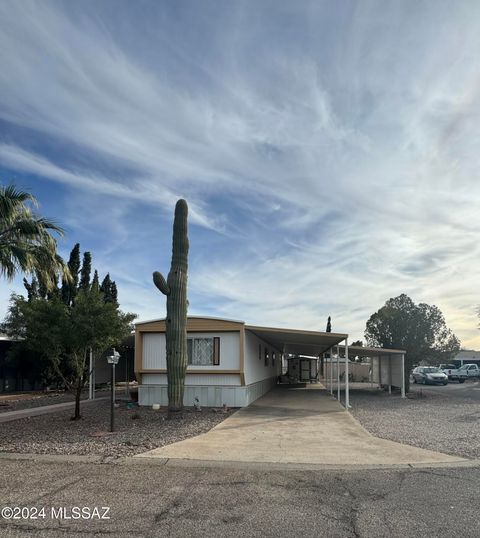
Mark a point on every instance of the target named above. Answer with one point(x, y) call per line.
point(175, 288)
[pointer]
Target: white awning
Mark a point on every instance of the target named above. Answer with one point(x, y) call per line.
point(297, 342)
point(361, 351)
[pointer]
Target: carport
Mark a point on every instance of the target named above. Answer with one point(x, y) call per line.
point(308, 344)
point(386, 369)
point(386, 365)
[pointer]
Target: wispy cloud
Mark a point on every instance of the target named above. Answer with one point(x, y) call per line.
point(16, 158)
point(334, 147)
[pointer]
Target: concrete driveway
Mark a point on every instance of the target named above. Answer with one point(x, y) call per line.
point(297, 425)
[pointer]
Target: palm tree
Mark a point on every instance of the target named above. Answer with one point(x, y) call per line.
point(26, 243)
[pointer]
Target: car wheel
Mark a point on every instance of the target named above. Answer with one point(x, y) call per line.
point(414, 379)
point(461, 380)
point(424, 381)
point(445, 383)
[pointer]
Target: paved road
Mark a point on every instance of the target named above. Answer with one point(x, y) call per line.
point(148, 501)
point(469, 390)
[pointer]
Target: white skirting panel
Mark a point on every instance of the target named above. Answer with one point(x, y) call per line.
point(200, 380)
point(258, 389)
point(209, 396)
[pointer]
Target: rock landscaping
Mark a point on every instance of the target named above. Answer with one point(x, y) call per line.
point(138, 429)
point(425, 419)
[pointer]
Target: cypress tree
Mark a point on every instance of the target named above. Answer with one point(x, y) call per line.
point(69, 289)
point(95, 282)
point(106, 289)
point(38, 289)
point(114, 293)
point(85, 272)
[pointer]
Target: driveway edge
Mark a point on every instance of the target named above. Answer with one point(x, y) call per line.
point(267, 466)
point(260, 466)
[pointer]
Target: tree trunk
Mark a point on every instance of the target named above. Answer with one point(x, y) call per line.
point(407, 378)
point(78, 395)
point(408, 367)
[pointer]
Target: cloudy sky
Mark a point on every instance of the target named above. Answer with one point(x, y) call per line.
point(329, 151)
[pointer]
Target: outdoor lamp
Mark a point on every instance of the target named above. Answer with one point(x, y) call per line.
point(112, 358)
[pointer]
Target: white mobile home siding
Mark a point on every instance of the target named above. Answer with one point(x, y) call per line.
point(212, 388)
point(239, 379)
point(154, 351)
point(255, 369)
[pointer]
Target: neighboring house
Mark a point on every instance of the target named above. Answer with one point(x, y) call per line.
point(232, 363)
point(124, 371)
point(11, 376)
point(24, 374)
point(467, 356)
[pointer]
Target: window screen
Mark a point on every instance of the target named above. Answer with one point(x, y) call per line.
point(203, 351)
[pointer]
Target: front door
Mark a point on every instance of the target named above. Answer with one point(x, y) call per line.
point(305, 370)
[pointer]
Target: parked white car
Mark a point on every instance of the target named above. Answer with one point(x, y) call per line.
point(429, 375)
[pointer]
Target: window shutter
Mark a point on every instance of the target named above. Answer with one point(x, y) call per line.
point(216, 351)
point(189, 350)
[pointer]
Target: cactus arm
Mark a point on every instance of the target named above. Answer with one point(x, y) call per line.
point(161, 283)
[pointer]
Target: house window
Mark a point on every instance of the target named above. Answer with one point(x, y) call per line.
point(266, 357)
point(203, 351)
point(273, 358)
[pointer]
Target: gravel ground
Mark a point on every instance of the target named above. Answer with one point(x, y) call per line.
point(137, 430)
point(434, 421)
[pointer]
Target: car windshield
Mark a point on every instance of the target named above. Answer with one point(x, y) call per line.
point(431, 370)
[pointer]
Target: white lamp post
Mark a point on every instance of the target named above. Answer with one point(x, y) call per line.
point(112, 359)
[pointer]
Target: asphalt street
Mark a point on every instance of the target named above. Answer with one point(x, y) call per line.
point(148, 501)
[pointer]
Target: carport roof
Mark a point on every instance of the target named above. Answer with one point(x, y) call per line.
point(297, 342)
point(354, 351)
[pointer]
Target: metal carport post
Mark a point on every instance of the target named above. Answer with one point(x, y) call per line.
point(331, 370)
point(347, 383)
point(338, 374)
